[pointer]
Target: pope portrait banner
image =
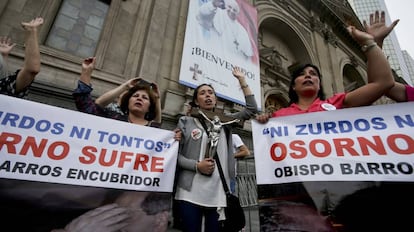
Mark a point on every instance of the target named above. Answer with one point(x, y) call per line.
point(216, 40)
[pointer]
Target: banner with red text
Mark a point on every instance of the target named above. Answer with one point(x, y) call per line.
point(216, 39)
point(65, 169)
point(343, 170)
point(372, 143)
point(50, 144)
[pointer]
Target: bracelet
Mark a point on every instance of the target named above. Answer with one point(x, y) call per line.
point(196, 169)
point(244, 86)
point(367, 47)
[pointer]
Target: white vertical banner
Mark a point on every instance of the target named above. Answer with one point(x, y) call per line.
point(218, 38)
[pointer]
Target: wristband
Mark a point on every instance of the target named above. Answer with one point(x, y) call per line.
point(367, 47)
point(244, 86)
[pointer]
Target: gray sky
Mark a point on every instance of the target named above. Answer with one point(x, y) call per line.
point(403, 10)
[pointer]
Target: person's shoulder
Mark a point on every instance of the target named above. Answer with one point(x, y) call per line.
point(184, 119)
point(286, 111)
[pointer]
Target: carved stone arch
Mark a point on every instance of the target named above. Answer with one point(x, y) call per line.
point(275, 100)
point(351, 76)
point(282, 46)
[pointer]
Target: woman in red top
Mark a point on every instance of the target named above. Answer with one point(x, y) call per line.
point(306, 94)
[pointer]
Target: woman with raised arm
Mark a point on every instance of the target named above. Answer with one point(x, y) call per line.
point(199, 191)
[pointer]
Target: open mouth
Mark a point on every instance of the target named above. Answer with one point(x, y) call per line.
point(307, 82)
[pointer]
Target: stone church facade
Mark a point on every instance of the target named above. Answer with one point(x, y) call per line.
point(145, 38)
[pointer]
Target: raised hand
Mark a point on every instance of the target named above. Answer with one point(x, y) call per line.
point(363, 38)
point(237, 73)
point(88, 65)
point(33, 24)
point(6, 45)
point(377, 27)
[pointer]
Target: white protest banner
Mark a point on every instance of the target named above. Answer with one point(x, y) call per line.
point(49, 144)
point(373, 143)
point(216, 39)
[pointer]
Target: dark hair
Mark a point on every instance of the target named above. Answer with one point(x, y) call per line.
point(150, 115)
point(193, 101)
point(293, 96)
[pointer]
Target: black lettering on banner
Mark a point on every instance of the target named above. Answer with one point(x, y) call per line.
point(304, 170)
point(111, 177)
point(30, 169)
point(370, 168)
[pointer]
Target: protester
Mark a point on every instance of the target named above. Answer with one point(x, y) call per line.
point(199, 191)
point(307, 96)
point(378, 29)
point(107, 99)
point(138, 105)
point(371, 209)
point(306, 93)
point(17, 84)
point(111, 99)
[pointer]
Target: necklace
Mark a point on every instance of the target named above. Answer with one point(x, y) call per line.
point(146, 122)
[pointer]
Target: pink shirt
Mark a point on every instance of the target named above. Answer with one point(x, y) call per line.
point(410, 93)
point(332, 103)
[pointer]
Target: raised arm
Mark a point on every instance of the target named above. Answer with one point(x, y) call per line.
point(380, 78)
point(242, 81)
point(6, 46)
point(380, 31)
point(31, 65)
point(112, 94)
point(158, 110)
point(88, 65)
point(82, 94)
point(251, 105)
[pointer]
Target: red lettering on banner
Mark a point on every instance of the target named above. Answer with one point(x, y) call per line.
point(126, 157)
point(391, 140)
point(30, 145)
point(399, 144)
point(326, 151)
point(157, 164)
point(345, 144)
point(88, 152)
point(282, 149)
point(10, 140)
point(141, 159)
point(377, 146)
point(294, 145)
point(121, 158)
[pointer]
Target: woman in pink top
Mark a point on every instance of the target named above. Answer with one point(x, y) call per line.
point(306, 94)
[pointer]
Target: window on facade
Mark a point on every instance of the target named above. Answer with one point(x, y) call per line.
point(78, 26)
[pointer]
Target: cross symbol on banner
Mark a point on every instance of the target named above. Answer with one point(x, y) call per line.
point(195, 71)
point(236, 43)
